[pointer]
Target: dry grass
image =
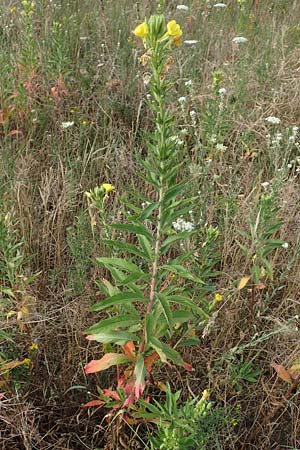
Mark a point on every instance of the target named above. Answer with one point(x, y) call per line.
point(45, 171)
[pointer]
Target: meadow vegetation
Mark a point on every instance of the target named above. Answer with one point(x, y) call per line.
point(149, 224)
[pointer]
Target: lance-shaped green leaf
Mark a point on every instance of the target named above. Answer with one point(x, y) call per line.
point(175, 237)
point(112, 323)
point(125, 247)
point(113, 337)
point(182, 272)
point(165, 351)
point(163, 301)
point(118, 262)
point(133, 228)
point(123, 298)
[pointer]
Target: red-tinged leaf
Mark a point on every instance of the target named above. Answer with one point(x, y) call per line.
point(112, 394)
point(129, 401)
point(94, 403)
point(260, 286)
point(129, 350)
point(150, 360)
point(108, 360)
point(139, 373)
point(54, 92)
point(282, 372)
point(188, 367)
point(14, 132)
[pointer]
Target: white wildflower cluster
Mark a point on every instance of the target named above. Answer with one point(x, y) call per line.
point(183, 225)
point(189, 84)
point(193, 116)
point(221, 147)
point(190, 42)
point(222, 91)
point(285, 245)
point(65, 125)
point(293, 138)
point(239, 40)
point(220, 5)
point(182, 8)
point(176, 140)
point(273, 120)
point(182, 100)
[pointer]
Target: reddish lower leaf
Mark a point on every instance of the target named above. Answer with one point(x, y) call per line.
point(150, 360)
point(112, 394)
point(108, 360)
point(14, 132)
point(94, 403)
point(129, 350)
point(188, 367)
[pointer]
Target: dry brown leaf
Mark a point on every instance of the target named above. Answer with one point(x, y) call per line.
point(243, 282)
point(281, 372)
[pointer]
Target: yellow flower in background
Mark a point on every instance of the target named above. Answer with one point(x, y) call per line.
point(26, 361)
point(205, 395)
point(141, 30)
point(174, 29)
point(108, 187)
point(33, 347)
point(218, 297)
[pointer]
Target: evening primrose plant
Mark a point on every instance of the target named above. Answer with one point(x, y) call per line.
point(150, 302)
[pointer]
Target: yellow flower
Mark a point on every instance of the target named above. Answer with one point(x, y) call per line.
point(205, 395)
point(141, 30)
point(174, 29)
point(108, 187)
point(26, 361)
point(33, 347)
point(13, 9)
point(218, 297)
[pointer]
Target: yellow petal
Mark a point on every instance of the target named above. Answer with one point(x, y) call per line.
point(174, 29)
point(141, 30)
point(108, 187)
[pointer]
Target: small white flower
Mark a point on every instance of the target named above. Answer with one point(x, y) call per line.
point(239, 40)
point(182, 100)
point(265, 184)
point(221, 147)
point(290, 166)
point(222, 91)
point(67, 124)
point(220, 5)
point(182, 7)
point(285, 245)
point(295, 130)
point(190, 42)
point(189, 83)
point(182, 225)
point(193, 114)
point(273, 120)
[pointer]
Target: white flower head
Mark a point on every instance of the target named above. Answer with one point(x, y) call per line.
point(189, 83)
point(285, 245)
point(221, 147)
point(193, 113)
point(222, 91)
point(239, 40)
point(182, 100)
point(220, 5)
point(265, 184)
point(273, 120)
point(67, 124)
point(182, 225)
point(182, 8)
point(190, 42)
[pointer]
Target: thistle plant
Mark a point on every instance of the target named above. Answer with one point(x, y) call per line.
point(149, 296)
